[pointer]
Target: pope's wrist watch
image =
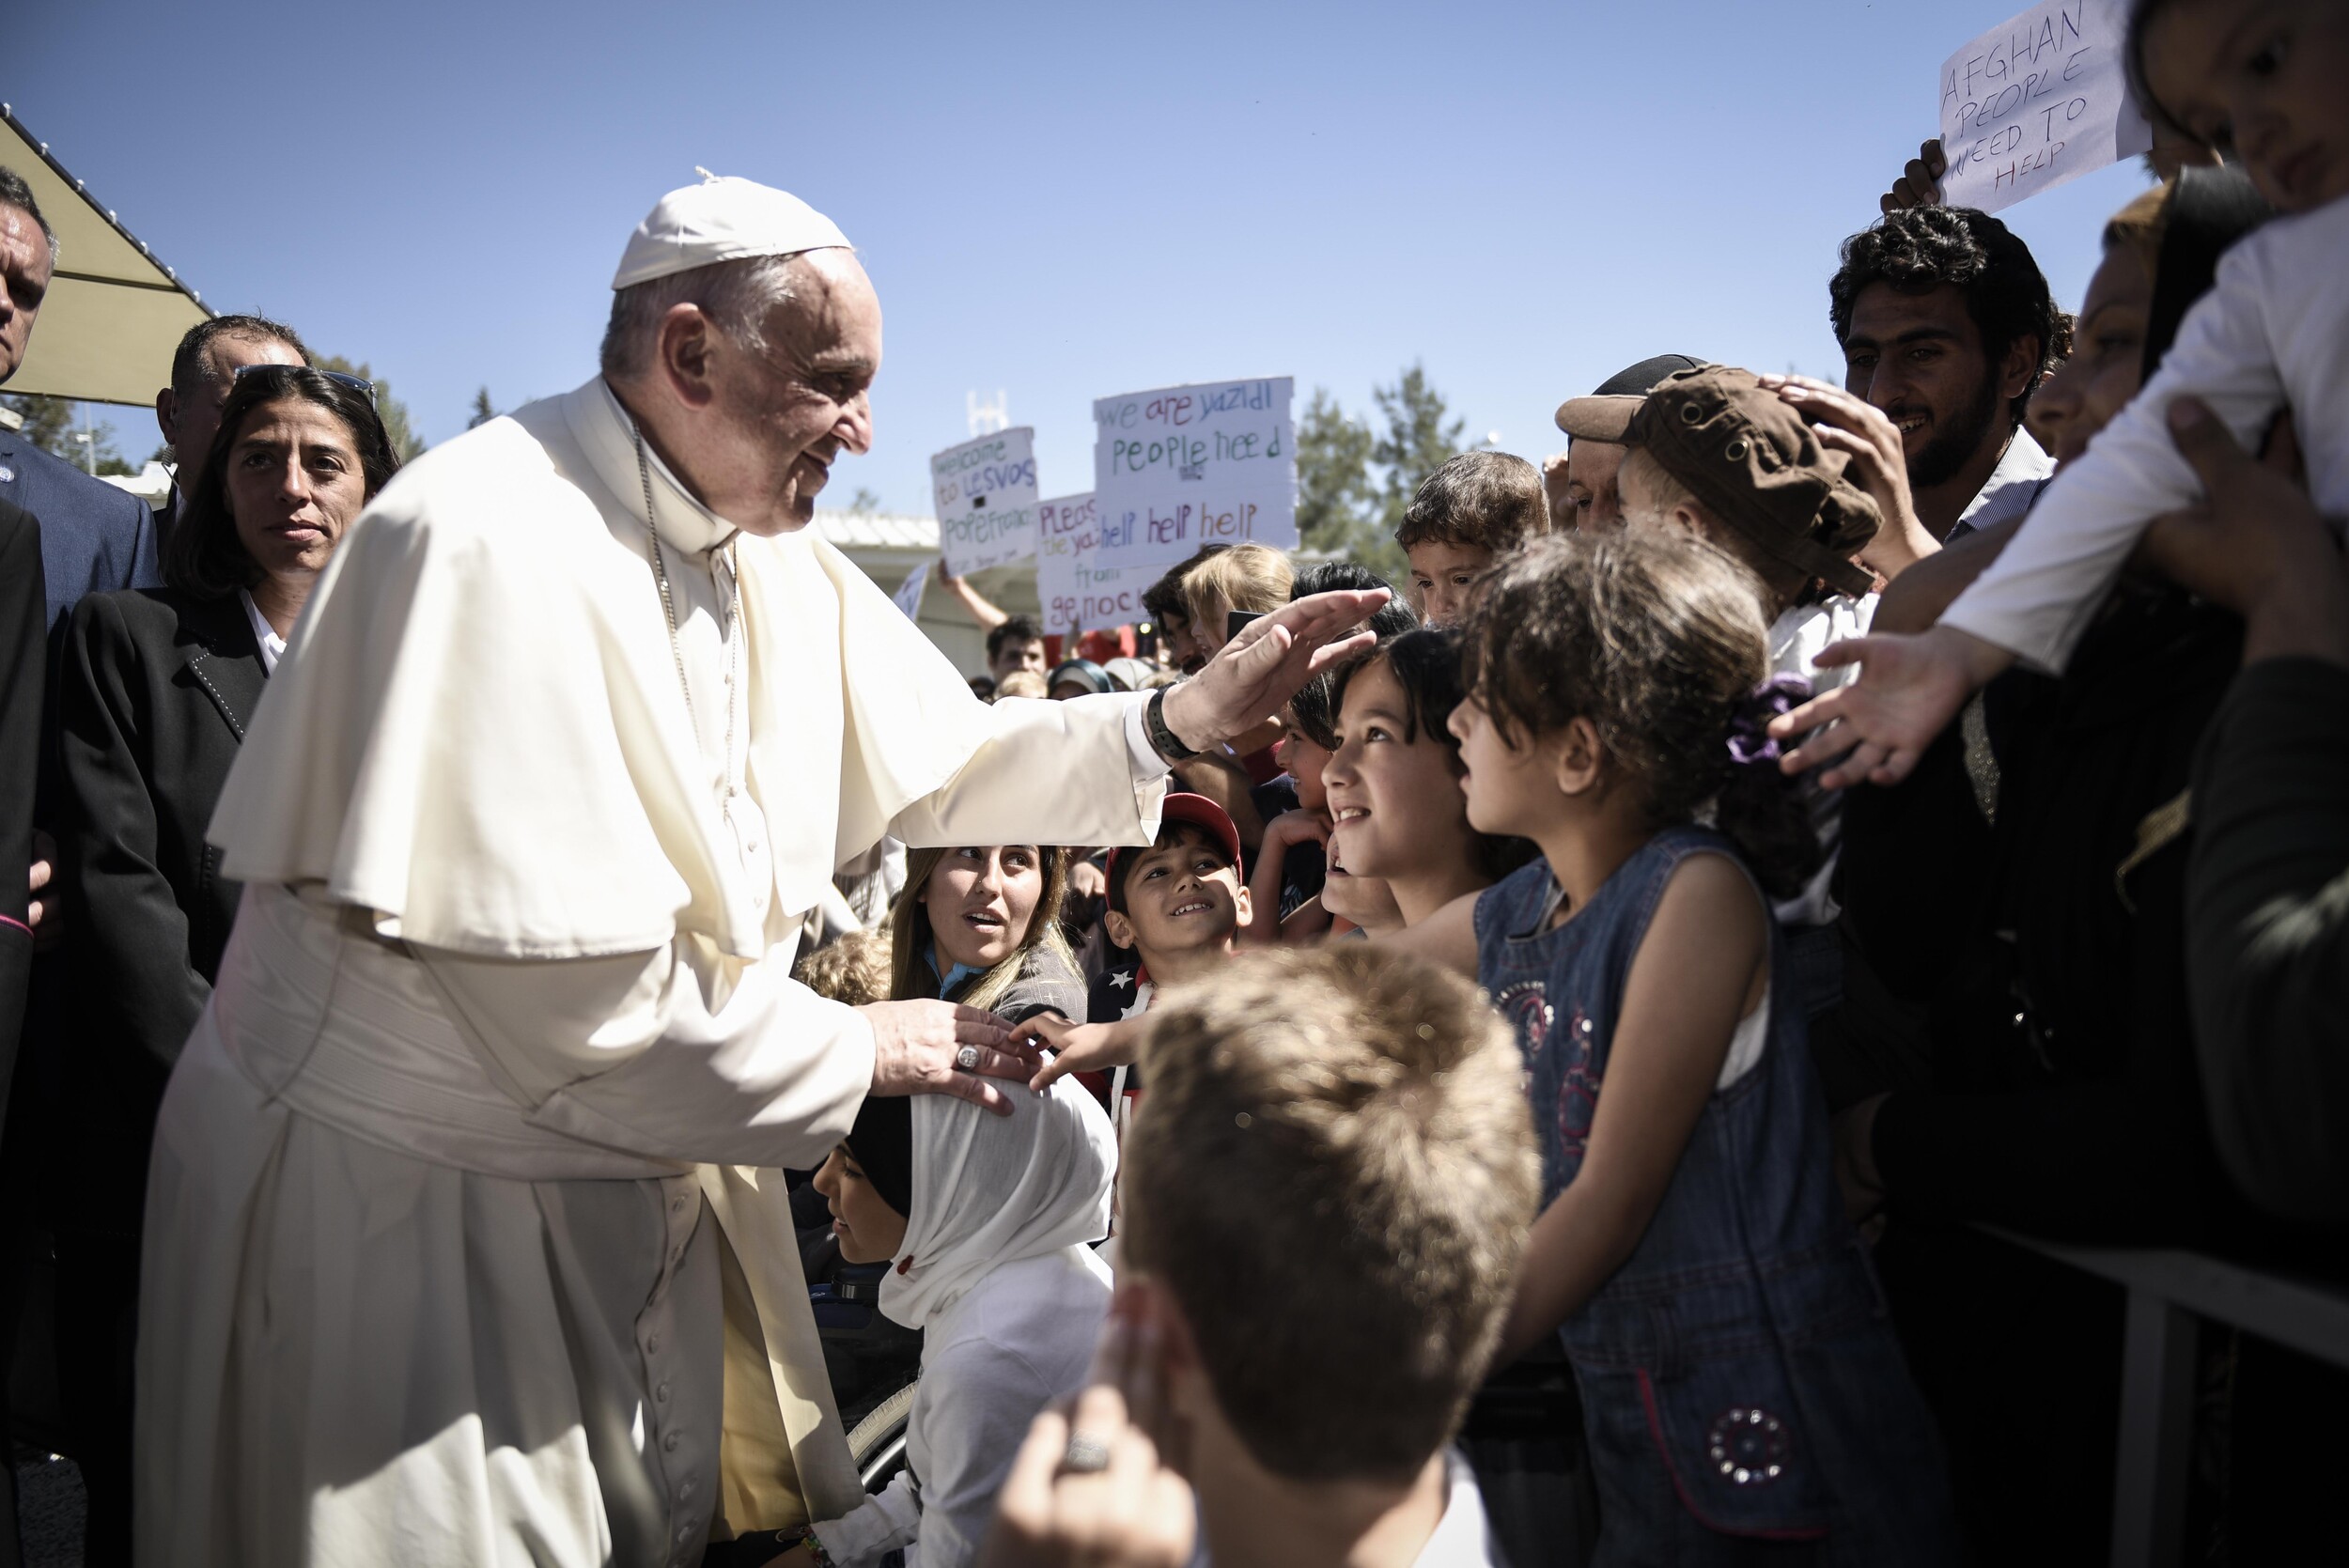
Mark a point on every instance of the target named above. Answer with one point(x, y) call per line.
point(1163, 739)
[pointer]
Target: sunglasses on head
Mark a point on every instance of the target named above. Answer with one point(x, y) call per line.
point(356, 384)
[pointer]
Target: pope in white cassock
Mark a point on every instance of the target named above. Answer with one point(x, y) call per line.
point(464, 1238)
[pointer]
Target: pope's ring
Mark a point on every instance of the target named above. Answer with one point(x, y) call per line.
point(1086, 1456)
point(967, 1059)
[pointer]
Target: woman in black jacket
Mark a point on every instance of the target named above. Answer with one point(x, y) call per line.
point(158, 688)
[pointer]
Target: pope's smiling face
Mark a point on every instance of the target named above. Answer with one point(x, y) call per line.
point(803, 397)
point(751, 422)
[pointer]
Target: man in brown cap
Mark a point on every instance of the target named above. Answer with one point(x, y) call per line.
point(1714, 451)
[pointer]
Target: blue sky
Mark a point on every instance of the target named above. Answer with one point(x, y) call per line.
point(1061, 202)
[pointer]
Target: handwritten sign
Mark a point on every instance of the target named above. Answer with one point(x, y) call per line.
point(1076, 590)
point(2037, 101)
point(1186, 466)
point(984, 492)
point(908, 594)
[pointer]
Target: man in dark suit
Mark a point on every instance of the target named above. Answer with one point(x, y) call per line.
point(90, 537)
point(93, 535)
point(23, 622)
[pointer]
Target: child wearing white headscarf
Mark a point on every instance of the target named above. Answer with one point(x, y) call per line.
point(996, 1270)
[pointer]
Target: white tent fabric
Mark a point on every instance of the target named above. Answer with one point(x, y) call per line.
point(113, 313)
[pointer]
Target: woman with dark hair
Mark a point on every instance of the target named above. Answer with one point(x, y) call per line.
point(157, 689)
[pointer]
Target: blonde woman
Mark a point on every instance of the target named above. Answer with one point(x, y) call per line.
point(1251, 578)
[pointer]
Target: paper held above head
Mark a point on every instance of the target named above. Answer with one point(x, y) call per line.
point(722, 219)
point(2037, 101)
point(985, 493)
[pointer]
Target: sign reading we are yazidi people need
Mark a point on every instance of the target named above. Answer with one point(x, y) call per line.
point(2041, 99)
point(986, 494)
point(1074, 589)
point(1186, 466)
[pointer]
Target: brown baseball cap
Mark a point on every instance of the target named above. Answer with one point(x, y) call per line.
point(1758, 466)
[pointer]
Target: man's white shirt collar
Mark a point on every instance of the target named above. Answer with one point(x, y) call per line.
point(2022, 473)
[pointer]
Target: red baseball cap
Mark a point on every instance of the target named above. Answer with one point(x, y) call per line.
point(1196, 809)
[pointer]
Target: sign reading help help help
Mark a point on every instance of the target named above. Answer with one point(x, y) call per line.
point(984, 492)
point(2038, 100)
point(1074, 589)
point(1187, 466)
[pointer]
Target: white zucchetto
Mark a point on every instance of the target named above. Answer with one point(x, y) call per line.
point(722, 219)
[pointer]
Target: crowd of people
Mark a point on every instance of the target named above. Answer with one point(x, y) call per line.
point(1530, 1064)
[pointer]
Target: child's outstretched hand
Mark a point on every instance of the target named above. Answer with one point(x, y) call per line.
point(1081, 1047)
point(1874, 730)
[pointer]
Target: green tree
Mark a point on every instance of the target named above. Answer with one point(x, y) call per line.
point(1342, 505)
point(1337, 501)
point(483, 411)
point(51, 424)
point(48, 424)
point(389, 408)
point(1417, 440)
point(864, 501)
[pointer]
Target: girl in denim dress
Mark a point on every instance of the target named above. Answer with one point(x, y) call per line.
point(1744, 1397)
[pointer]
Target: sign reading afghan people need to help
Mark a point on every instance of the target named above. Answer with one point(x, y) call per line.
point(1074, 589)
point(1186, 466)
point(2037, 101)
point(986, 495)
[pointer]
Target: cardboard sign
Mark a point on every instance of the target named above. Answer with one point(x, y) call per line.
point(1184, 466)
point(908, 594)
point(985, 493)
point(1076, 590)
point(2038, 100)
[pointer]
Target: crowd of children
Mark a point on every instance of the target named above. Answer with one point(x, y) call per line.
point(1527, 983)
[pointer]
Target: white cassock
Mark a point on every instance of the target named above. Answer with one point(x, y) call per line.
point(472, 1153)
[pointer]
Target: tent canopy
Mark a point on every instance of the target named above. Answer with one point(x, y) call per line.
point(113, 313)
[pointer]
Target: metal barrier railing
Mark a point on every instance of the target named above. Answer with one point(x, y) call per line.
point(2170, 1294)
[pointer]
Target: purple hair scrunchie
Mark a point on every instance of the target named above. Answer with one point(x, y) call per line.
point(1749, 738)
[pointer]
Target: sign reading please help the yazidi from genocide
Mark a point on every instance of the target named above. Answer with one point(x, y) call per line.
point(1187, 466)
point(2038, 100)
point(1074, 589)
point(986, 495)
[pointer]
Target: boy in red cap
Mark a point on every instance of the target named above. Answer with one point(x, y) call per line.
point(1177, 904)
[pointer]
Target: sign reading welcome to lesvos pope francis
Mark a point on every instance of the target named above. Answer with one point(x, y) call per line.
point(1186, 466)
point(984, 492)
point(2038, 99)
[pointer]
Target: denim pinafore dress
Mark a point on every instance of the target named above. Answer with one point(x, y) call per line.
point(1742, 1389)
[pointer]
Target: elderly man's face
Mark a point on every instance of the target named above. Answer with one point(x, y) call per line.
point(26, 266)
point(806, 398)
point(1591, 487)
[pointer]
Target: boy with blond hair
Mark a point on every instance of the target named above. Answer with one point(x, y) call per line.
point(1324, 1211)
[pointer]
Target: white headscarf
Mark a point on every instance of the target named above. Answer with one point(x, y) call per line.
point(990, 1190)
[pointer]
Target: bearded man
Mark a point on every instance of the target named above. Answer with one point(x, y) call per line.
point(1947, 328)
point(465, 1227)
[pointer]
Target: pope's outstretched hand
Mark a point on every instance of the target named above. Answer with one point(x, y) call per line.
point(918, 1048)
point(1253, 673)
